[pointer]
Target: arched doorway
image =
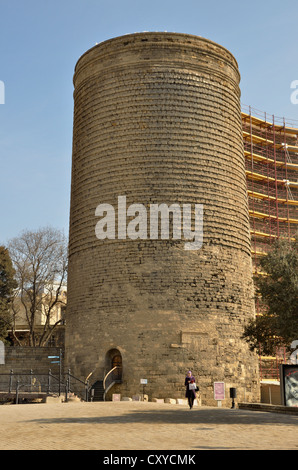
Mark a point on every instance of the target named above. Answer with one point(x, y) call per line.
point(112, 375)
point(114, 361)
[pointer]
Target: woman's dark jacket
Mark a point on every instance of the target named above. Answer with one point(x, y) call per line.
point(189, 393)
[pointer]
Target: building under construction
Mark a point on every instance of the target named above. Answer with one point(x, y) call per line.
point(271, 161)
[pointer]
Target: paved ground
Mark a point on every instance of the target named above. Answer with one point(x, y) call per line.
point(142, 426)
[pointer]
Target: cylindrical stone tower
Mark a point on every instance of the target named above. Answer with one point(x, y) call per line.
point(157, 121)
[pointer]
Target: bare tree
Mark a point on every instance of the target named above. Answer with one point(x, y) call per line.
point(40, 261)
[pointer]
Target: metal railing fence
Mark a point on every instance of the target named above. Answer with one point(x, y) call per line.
point(46, 383)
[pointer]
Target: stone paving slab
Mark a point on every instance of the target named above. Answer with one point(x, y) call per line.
point(142, 426)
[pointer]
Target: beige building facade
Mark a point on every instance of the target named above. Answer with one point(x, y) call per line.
point(49, 315)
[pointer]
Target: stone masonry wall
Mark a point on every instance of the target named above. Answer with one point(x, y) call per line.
point(157, 119)
point(21, 360)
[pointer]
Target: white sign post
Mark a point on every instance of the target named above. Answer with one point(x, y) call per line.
point(143, 382)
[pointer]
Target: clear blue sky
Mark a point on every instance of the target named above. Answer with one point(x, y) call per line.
point(41, 41)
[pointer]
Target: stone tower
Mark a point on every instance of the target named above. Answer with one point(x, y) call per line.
point(157, 121)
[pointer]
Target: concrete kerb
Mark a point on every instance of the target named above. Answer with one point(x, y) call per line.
point(269, 408)
point(263, 407)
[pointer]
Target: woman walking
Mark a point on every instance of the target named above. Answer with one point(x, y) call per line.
point(191, 388)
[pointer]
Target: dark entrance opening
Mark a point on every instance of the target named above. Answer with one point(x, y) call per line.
point(113, 367)
point(117, 362)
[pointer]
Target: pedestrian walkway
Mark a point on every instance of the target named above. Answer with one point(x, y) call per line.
point(142, 426)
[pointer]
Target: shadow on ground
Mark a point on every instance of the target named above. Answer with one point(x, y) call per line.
point(197, 416)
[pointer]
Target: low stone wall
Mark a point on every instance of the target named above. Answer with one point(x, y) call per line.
point(270, 408)
point(23, 360)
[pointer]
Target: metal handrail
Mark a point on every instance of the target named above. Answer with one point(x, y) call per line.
point(63, 381)
point(106, 389)
point(84, 382)
point(106, 376)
